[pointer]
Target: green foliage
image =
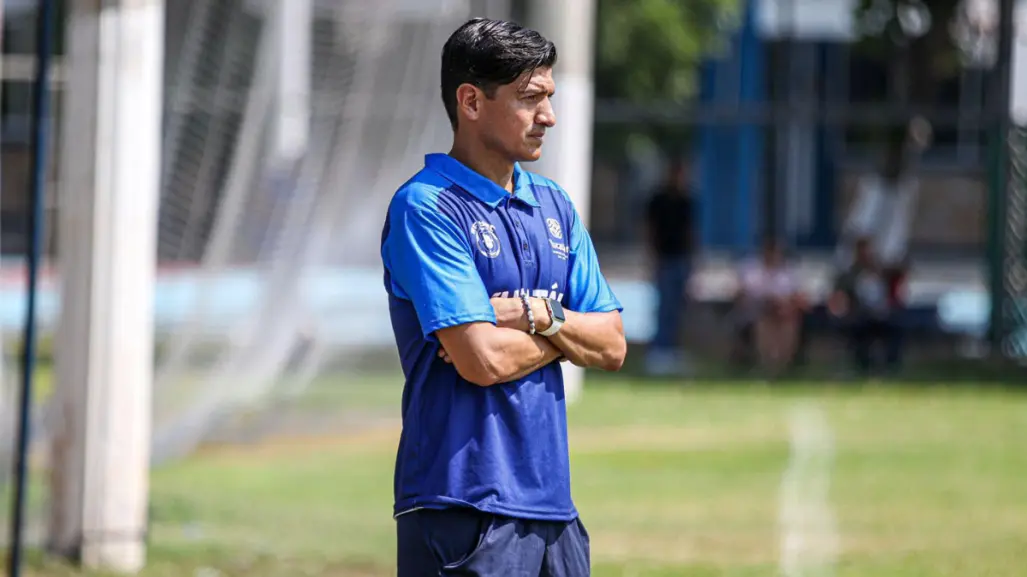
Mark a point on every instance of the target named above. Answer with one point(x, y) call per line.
point(941, 10)
point(923, 60)
point(650, 49)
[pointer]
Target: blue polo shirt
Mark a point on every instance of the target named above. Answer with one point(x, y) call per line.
point(453, 239)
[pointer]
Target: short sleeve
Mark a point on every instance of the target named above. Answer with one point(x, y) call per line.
point(430, 263)
point(588, 291)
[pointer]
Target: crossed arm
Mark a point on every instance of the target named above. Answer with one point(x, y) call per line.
point(428, 262)
point(487, 354)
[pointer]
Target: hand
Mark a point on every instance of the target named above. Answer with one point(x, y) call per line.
point(510, 313)
point(444, 355)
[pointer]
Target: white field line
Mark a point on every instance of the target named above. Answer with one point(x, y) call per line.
point(808, 529)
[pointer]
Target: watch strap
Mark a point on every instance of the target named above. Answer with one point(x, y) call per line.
point(556, 324)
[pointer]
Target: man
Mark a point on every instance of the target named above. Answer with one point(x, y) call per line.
point(768, 308)
point(492, 279)
point(670, 226)
point(885, 206)
point(868, 300)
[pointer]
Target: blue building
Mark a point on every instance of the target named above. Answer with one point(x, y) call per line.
point(800, 51)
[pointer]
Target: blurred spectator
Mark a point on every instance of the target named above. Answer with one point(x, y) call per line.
point(769, 308)
point(671, 236)
point(885, 204)
point(868, 300)
point(874, 254)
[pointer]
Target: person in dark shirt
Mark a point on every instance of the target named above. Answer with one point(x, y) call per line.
point(867, 298)
point(671, 237)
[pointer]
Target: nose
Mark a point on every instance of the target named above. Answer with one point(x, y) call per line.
point(546, 115)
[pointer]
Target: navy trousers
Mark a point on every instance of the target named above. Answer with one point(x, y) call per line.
point(470, 543)
point(672, 276)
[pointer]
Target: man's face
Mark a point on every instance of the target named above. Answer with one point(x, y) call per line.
point(514, 121)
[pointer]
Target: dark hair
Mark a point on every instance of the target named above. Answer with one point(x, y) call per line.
point(488, 54)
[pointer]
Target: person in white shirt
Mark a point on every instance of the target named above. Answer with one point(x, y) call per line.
point(769, 306)
point(884, 209)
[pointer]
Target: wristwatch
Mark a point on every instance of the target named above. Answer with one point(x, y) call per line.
point(557, 315)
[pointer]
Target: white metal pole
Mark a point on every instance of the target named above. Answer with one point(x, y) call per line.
point(292, 22)
point(567, 158)
point(3, 391)
point(110, 175)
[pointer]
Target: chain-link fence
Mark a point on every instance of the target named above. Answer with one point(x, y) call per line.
point(1014, 253)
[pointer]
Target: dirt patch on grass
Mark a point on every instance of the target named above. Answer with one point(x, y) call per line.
point(370, 439)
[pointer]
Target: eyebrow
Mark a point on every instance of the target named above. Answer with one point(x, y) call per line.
point(533, 90)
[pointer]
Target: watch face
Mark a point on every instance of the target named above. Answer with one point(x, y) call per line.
point(557, 310)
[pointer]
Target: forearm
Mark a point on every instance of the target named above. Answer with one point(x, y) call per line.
point(549, 354)
point(593, 340)
point(586, 339)
point(499, 355)
point(512, 354)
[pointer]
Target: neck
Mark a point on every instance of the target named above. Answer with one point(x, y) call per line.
point(483, 161)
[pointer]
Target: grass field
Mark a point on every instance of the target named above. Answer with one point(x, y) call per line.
point(671, 480)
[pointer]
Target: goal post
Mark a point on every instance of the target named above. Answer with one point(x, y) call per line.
point(291, 28)
point(110, 178)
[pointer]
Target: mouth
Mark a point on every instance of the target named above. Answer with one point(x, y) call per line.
point(537, 136)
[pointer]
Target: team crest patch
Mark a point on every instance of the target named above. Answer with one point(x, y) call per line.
point(554, 228)
point(484, 235)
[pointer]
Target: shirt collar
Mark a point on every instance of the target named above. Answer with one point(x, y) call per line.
point(482, 188)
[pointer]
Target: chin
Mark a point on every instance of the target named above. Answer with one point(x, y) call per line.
point(531, 155)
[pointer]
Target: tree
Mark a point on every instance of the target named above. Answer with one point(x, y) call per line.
point(650, 50)
point(926, 41)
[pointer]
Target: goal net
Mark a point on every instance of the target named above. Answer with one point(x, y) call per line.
point(270, 313)
point(270, 266)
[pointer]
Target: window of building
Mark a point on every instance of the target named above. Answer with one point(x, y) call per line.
point(16, 111)
point(959, 144)
point(17, 75)
point(18, 67)
point(19, 22)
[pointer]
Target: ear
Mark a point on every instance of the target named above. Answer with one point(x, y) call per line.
point(469, 100)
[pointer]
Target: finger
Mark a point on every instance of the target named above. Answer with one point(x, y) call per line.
point(447, 359)
point(442, 352)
